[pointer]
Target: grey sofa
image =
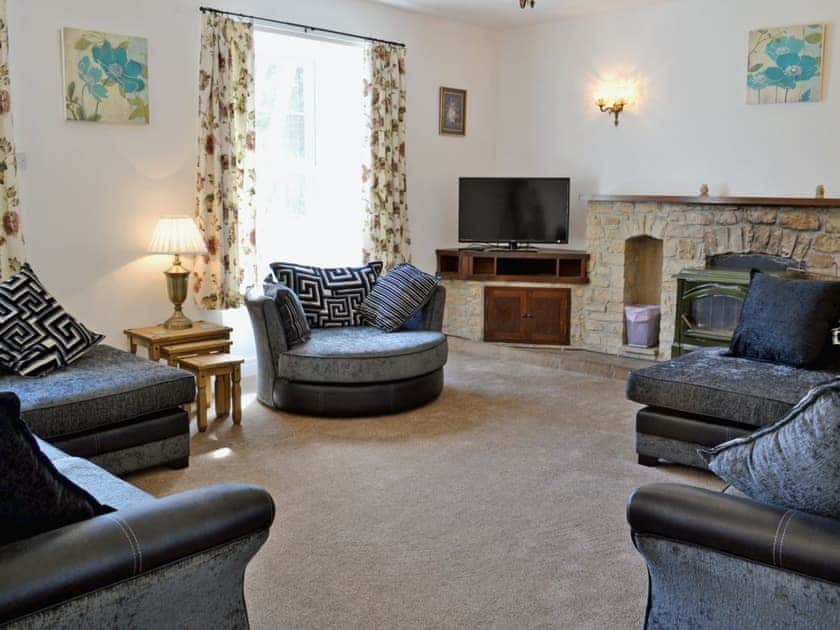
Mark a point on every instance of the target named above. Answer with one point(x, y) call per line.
point(176, 562)
point(120, 411)
point(717, 562)
point(350, 371)
point(707, 397)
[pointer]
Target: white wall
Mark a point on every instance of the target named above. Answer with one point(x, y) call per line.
point(92, 193)
point(692, 125)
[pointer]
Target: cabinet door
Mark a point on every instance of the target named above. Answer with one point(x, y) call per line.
point(548, 314)
point(504, 314)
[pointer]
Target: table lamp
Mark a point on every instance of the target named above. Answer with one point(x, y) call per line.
point(176, 236)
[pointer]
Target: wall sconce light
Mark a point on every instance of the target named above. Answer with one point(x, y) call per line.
point(614, 97)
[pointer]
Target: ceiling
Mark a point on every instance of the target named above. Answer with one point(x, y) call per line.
point(507, 14)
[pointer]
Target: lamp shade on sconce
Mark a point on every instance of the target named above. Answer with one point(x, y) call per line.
point(177, 235)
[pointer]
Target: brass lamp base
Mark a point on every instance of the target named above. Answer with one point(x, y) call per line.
point(177, 283)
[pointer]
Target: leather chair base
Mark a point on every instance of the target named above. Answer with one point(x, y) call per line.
point(159, 439)
point(345, 401)
point(675, 437)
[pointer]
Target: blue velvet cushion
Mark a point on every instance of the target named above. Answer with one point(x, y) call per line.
point(397, 297)
point(792, 463)
point(34, 496)
point(786, 320)
point(292, 316)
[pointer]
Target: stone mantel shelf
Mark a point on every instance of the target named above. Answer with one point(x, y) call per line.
point(782, 202)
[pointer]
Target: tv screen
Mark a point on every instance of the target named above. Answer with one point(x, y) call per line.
point(513, 210)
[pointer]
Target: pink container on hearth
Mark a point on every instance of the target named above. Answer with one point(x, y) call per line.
point(642, 325)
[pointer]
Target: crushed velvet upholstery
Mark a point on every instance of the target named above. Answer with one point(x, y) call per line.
point(198, 592)
point(174, 562)
point(719, 560)
point(102, 485)
point(363, 354)
point(709, 383)
point(105, 387)
point(173, 452)
point(792, 463)
point(351, 385)
point(698, 587)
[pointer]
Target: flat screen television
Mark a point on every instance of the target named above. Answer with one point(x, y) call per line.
point(513, 210)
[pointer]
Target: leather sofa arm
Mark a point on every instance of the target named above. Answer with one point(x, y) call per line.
point(788, 539)
point(92, 554)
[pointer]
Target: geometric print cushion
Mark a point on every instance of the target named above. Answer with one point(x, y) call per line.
point(330, 297)
point(397, 297)
point(36, 334)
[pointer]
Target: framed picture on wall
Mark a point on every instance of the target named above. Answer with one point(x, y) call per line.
point(106, 77)
point(453, 112)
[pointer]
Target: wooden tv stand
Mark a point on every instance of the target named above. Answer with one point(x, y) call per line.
point(514, 310)
point(542, 265)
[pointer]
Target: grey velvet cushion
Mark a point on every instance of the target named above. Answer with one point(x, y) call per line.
point(105, 387)
point(292, 316)
point(786, 320)
point(102, 485)
point(711, 383)
point(361, 354)
point(792, 463)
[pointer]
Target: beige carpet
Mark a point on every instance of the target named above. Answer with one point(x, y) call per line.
point(499, 505)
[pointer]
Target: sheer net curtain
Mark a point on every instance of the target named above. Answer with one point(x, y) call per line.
point(12, 253)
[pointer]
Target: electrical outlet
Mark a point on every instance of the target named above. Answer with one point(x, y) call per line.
point(21, 161)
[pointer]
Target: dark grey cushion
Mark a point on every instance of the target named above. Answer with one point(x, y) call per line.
point(710, 383)
point(786, 320)
point(792, 463)
point(105, 387)
point(361, 354)
point(34, 496)
point(292, 316)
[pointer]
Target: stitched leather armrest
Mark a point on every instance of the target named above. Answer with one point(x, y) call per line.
point(787, 539)
point(92, 554)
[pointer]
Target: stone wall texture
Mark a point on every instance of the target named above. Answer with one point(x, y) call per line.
point(690, 234)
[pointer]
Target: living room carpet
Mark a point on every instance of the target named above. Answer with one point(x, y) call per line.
point(499, 505)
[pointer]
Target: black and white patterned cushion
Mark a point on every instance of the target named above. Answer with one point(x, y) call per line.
point(36, 334)
point(330, 297)
point(292, 315)
point(397, 297)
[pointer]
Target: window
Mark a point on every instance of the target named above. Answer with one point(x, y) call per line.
point(309, 150)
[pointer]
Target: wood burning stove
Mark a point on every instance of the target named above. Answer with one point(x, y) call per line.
point(709, 300)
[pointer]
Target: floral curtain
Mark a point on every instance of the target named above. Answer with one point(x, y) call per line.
point(225, 183)
point(11, 237)
point(386, 236)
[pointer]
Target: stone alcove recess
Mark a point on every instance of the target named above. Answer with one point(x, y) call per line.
point(691, 229)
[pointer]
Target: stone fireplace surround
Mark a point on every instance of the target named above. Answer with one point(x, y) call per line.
point(691, 230)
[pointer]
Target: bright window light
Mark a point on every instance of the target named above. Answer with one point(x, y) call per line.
point(310, 141)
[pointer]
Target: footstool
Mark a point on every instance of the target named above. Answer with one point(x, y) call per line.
point(227, 370)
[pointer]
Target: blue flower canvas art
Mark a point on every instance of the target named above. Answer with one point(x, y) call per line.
point(106, 77)
point(785, 65)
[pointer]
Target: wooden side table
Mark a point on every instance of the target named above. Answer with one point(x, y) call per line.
point(227, 370)
point(155, 338)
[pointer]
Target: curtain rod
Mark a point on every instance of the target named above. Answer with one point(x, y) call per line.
point(306, 29)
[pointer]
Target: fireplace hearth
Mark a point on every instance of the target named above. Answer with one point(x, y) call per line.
point(639, 244)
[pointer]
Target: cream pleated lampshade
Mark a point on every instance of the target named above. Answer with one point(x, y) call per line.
point(177, 235)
